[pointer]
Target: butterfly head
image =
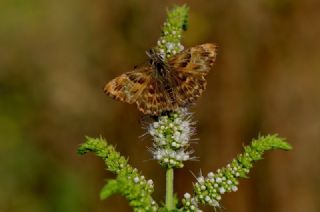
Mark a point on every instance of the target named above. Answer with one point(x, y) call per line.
point(157, 61)
point(154, 56)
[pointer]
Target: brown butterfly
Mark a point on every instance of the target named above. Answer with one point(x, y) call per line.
point(163, 86)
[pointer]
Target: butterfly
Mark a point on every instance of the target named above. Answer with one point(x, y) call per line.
point(163, 86)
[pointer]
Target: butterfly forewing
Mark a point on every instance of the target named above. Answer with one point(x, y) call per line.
point(128, 86)
point(188, 70)
point(197, 60)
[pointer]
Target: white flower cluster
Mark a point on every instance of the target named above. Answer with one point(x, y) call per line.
point(190, 203)
point(141, 180)
point(169, 43)
point(208, 190)
point(171, 135)
point(144, 188)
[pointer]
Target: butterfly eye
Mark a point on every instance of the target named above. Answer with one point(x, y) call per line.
point(158, 65)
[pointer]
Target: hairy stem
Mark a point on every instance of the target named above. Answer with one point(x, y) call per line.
point(169, 189)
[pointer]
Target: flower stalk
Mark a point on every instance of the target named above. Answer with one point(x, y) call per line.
point(169, 42)
point(169, 189)
point(171, 133)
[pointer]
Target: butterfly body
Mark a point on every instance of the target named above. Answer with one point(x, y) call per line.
point(162, 86)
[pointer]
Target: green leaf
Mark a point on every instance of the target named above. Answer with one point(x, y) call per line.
point(110, 188)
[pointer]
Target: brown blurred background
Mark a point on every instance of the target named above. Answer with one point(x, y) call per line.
point(56, 56)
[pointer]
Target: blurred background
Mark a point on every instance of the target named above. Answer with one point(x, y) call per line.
point(56, 56)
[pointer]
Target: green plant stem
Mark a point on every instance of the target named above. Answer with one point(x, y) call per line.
point(169, 189)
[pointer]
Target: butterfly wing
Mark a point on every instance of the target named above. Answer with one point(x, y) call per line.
point(196, 60)
point(188, 70)
point(141, 87)
point(155, 98)
point(128, 86)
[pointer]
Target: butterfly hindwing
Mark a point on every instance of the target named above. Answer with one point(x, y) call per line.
point(188, 87)
point(155, 99)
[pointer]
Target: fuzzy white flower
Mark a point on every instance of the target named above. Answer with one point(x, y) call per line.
point(171, 134)
point(187, 196)
point(136, 179)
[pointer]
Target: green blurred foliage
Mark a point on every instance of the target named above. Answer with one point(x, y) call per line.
point(55, 57)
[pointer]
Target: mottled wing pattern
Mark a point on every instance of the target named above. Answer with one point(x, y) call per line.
point(141, 87)
point(188, 70)
point(153, 95)
point(188, 88)
point(155, 99)
point(128, 86)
